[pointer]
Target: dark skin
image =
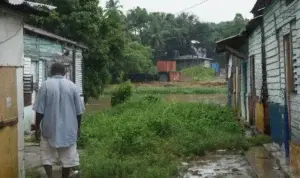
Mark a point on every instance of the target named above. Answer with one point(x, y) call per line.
point(48, 168)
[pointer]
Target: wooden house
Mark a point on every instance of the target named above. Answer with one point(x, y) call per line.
point(282, 48)
point(41, 49)
point(272, 62)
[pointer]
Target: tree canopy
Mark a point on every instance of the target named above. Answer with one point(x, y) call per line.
point(122, 43)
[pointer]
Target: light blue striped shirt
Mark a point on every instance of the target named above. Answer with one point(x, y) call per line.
point(58, 99)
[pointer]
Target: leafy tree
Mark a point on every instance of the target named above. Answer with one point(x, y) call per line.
point(126, 43)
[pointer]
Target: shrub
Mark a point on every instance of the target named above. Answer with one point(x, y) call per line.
point(121, 94)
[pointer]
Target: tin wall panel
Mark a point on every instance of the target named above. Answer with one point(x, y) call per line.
point(276, 122)
point(166, 66)
point(174, 76)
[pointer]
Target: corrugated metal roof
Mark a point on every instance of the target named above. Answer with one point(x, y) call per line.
point(52, 36)
point(15, 2)
point(252, 24)
point(234, 42)
point(22, 6)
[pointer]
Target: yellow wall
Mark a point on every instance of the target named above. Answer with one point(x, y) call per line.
point(295, 159)
point(9, 152)
point(259, 117)
point(8, 114)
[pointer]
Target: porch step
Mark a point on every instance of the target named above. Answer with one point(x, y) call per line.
point(264, 165)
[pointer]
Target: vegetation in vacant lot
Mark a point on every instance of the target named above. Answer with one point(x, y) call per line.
point(121, 93)
point(148, 137)
point(173, 90)
point(199, 73)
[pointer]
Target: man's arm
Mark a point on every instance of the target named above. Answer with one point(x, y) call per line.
point(38, 119)
point(79, 124)
point(79, 108)
point(39, 108)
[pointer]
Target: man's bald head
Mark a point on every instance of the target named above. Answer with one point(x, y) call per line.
point(58, 69)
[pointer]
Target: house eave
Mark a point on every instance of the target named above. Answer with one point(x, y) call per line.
point(231, 44)
point(24, 8)
point(252, 25)
point(32, 29)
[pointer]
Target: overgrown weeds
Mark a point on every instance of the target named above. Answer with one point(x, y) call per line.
point(173, 90)
point(148, 137)
point(200, 73)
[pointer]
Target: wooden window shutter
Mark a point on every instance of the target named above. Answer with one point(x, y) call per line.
point(27, 82)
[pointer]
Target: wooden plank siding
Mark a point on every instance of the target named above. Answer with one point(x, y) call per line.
point(281, 20)
point(254, 87)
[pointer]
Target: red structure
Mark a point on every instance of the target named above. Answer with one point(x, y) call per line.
point(166, 66)
point(174, 76)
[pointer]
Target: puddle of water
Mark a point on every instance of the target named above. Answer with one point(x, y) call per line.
point(220, 165)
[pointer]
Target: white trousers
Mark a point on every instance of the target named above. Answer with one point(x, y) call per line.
point(67, 156)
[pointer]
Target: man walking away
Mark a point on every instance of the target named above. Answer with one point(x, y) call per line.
point(58, 108)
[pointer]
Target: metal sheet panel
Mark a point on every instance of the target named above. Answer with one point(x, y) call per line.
point(174, 76)
point(166, 66)
point(78, 70)
point(276, 122)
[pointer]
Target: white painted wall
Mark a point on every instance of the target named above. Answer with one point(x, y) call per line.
point(20, 99)
point(11, 31)
point(207, 63)
point(11, 54)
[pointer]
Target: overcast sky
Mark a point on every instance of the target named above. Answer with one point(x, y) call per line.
point(212, 10)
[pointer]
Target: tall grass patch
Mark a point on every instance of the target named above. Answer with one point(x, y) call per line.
point(199, 73)
point(173, 90)
point(148, 137)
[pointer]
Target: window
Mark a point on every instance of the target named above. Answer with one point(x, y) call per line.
point(288, 2)
point(28, 89)
point(289, 69)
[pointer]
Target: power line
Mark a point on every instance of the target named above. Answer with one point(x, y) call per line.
point(195, 5)
point(15, 34)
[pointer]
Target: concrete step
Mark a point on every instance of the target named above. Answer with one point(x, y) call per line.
point(264, 165)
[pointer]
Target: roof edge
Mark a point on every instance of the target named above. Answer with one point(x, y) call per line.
point(53, 36)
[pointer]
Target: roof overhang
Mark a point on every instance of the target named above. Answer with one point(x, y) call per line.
point(259, 6)
point(44, 33)
point(24, 7)
point(252, 25)
point(231, 44)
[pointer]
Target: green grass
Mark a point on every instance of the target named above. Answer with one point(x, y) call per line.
point(199, 73)
point(148, 137)
point(173, 90)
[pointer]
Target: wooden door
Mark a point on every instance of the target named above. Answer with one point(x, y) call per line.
point(289, 74)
